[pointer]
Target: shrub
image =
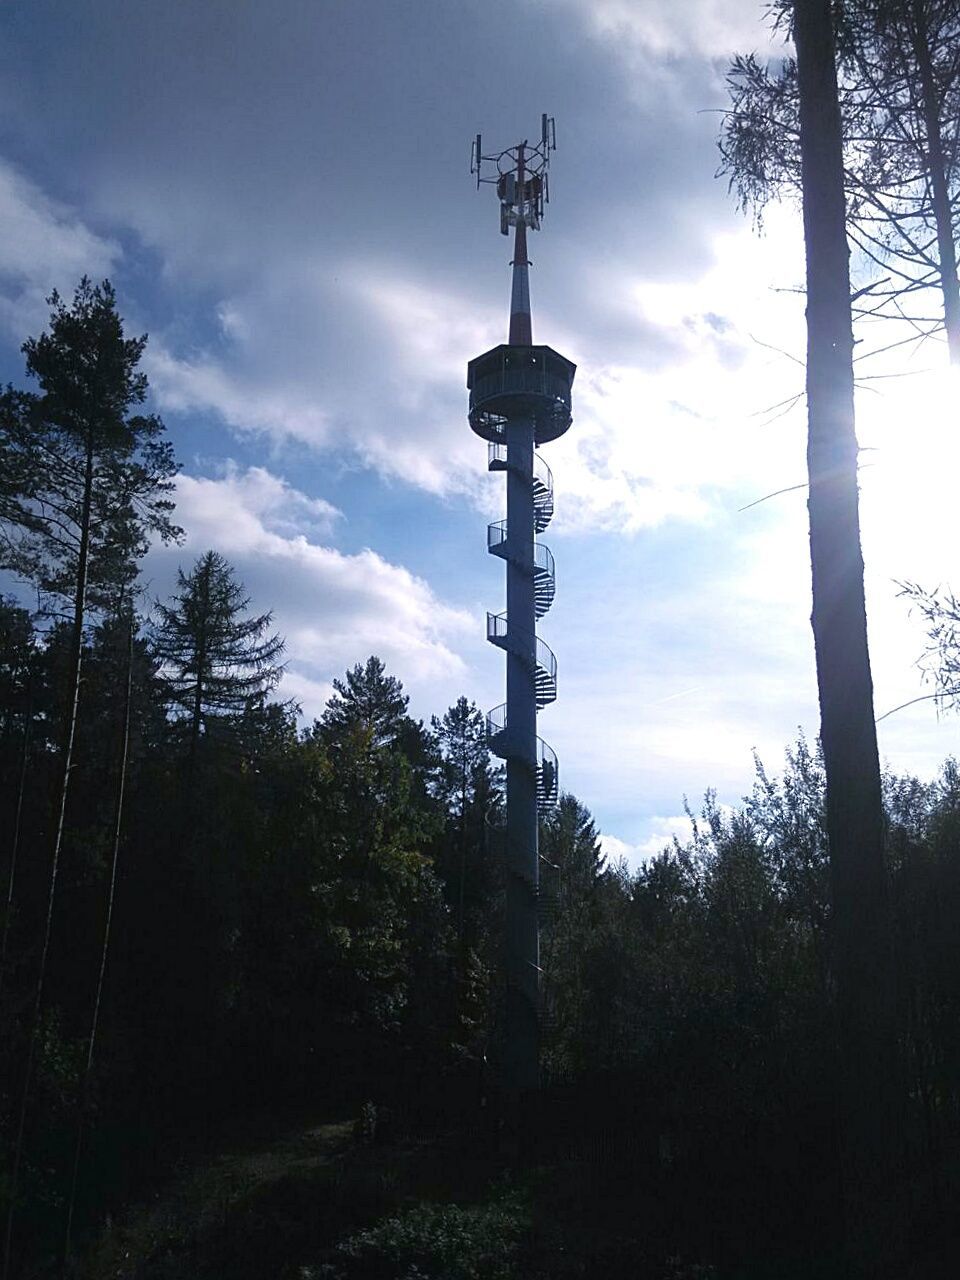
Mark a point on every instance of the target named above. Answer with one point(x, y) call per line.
point(440, 1242)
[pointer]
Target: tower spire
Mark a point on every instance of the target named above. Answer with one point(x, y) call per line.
point(521, 323)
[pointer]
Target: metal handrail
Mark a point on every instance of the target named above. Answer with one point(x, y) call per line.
point(498, 628)
point(497, 535)
point(547, 762)
point(542, 473)
point(543, 559)
point(497, 452)
point(536, 380)
point(497, 720)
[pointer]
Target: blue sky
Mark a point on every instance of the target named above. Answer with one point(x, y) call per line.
point(280, 195)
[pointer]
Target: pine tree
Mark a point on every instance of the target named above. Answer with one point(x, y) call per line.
point(465, 785)
point(571, 873)
point(87, 487)
point(370, 700)
point(217, 661)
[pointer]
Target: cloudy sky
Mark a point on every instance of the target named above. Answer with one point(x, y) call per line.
point(280, 194)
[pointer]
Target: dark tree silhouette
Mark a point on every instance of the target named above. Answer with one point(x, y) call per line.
point(861, 927)
point(92, 485)
point(899, 97)
point(940, 610)
point(465, 786)
point(216, 660)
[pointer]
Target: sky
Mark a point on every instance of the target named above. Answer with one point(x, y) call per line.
point(280, 194)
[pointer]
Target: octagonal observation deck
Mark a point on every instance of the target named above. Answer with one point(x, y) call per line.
point(513, 382)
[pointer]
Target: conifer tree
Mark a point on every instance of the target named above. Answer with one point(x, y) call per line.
point(466, 787)
point(87, 486)
point(370, 700)
point(217, 660)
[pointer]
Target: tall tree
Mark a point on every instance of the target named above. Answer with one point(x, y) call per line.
point(848, 731)
point(92, 485)
point(466, 787)
point(899, 93)
point(571, 871)
point(17, 656)
point(370, 700)
point(118, 814)
point(217, 660)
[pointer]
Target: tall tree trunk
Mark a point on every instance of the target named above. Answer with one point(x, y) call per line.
point(196, 717)
point(73, 701)
point(861, 935)
point(17, 829)
point(939, 190)
point(111, 894)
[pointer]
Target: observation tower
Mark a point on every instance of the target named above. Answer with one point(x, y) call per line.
point(520, 400)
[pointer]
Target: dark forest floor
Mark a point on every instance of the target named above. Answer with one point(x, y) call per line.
point(277, 1205)
point(187, 1227)
point(334, 1201)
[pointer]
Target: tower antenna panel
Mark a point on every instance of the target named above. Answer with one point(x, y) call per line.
point(522, 195)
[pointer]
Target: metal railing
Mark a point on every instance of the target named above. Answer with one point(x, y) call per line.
point(533, 379)
point(498, 628)
point(497, 720)
point(543, 561)
point(548, 768)
point(496, 534)
point(542, 475)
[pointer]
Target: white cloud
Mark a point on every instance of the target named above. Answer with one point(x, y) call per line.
point(709, 28)
point(662, 832)
point(201, 384)
point(311, 695)
point(650, 441)
point(257, 501)
point(333, 608)
point(44, 246)
point(675, 442)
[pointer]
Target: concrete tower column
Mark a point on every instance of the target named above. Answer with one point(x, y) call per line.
point(522, 942)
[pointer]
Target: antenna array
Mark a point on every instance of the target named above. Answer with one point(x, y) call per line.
point(521, 176)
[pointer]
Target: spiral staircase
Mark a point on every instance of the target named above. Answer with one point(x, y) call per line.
point(530, 648)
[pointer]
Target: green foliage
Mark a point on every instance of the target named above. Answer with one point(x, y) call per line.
point(87, 479)
point(216, 661)
point(372, 703)
point(440, 1242)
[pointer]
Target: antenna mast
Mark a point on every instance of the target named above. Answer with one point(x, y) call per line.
point(521, 175)
point(520, 399)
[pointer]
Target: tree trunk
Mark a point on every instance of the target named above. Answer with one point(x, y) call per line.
point(73, 701)
point(196, 718)
point(17, 829)
point(939, 190)
point(861, 935)
point(111, 894)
